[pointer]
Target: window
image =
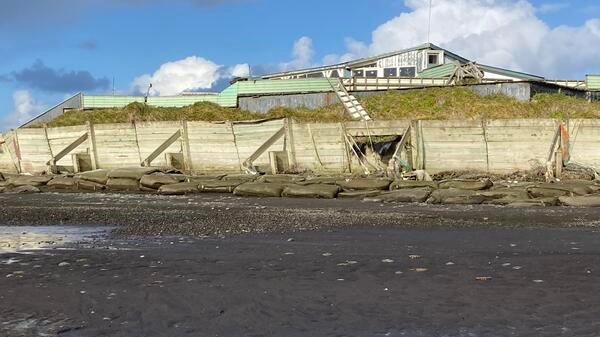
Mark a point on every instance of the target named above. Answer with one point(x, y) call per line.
point(390, 72)
point(335, 74)
point(433, 59)
point(315, 75)
point(358, 73)
point(408, 72)
point(371, 73)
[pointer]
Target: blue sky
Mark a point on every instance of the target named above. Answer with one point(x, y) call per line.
point(50, 49)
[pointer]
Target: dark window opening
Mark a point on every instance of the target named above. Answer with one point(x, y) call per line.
point(433, 59)
point(371, 73)
point(315, 75)
point(408, 72)
point(390, 72)
point(358, 73)
point(335, 74)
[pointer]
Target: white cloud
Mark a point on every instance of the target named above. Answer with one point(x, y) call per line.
point(190, 73)
point(239, 70)
point(25, 108)
point(302, 54)
point(504, 33)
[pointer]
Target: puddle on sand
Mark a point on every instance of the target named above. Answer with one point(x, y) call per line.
point(19, 239)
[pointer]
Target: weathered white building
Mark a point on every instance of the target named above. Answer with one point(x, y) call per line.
point(424, 61)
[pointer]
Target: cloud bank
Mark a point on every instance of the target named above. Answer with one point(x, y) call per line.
point(496, 32)
point(191, 74)
point(39, 76)
point(25, 108)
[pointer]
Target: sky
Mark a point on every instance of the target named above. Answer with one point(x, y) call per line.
point(53, 49)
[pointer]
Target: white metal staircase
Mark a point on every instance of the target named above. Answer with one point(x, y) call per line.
point(352, 105)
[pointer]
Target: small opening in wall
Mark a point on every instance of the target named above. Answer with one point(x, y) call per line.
point(433, 59)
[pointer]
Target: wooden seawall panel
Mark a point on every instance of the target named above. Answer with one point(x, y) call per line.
point(520, 144)
point(212, 147)
point(497, 146)
point(34, 150)
point(61, 137)
point(151, 135)
point(116, 145)
point(453, 145)
point(585, 141)
point(320, 147)
point(249, 137)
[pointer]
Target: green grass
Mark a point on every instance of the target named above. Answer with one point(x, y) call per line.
point(431, 103)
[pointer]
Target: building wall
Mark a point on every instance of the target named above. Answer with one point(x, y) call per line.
point(265, 103)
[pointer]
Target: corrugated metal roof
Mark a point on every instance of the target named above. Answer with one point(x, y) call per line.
point(441, 71)
point(226, 98)
point(511, 73)
point(592, 82)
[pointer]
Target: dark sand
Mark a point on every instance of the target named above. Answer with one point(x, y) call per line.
point(306, 268)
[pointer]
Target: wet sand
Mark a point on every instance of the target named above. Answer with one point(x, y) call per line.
point(304, 268)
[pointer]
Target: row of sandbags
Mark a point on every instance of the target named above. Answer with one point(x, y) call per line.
point(572, 193)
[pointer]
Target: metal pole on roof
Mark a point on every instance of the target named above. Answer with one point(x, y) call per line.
point(429, 25)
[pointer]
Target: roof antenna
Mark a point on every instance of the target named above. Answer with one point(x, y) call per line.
point(429, 25)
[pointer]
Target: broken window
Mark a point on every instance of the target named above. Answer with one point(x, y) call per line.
point(371, 73)
point(390, 72)
point(408, 72)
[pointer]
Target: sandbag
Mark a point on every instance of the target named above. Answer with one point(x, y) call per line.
point(280, 179)
point(219, 186)
point(403, 195)
point(317, 191)
point(206, 177)
point(97, 176)
point(178, 189)
point(541, 192)
point(455, 196)
point(240, 177)
point(581, 201)
point(358, 194)
point(259, 190)
point(24, 189)
point(155, 181)
point(122, 184)
point(505, 193)
point(87, 185)
point(23, 180)
point(328, 180)
point(131, 172)
point(362, 184)
point(403, 184)
point(469, 185)
point(526, 203)
point(62, 183)
point(574, 187)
